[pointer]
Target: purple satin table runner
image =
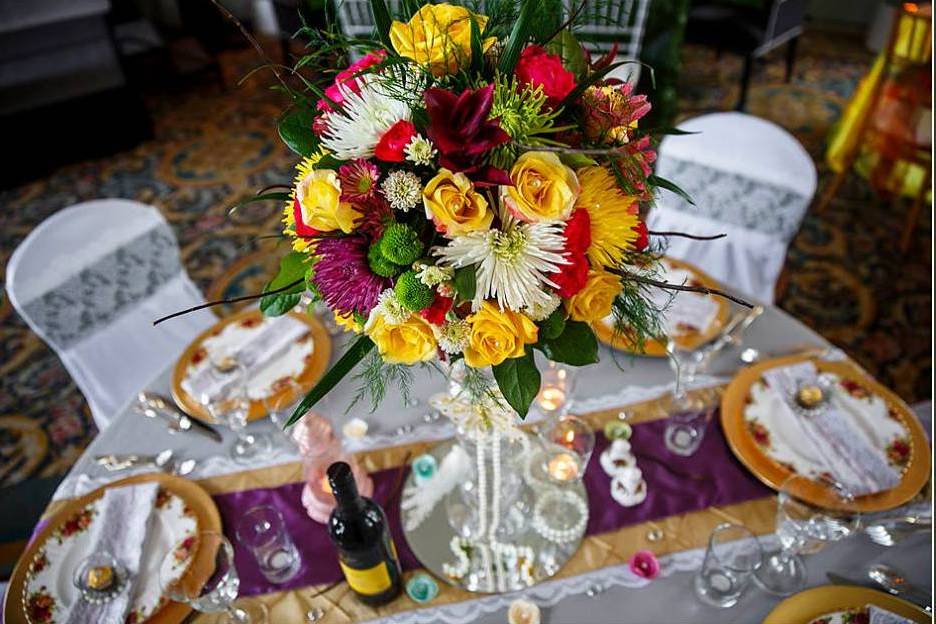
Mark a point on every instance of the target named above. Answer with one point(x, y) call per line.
point(717, 479)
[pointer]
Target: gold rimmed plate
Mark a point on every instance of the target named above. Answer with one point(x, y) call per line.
point(41, 590)
point(746, 437)
point(839, 604)
point(688, 339)
point(314, 363)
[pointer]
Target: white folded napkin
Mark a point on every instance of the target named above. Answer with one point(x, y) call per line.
point(254, 349)
point(683, 310)
point(877, 615)
point(121, 530)
point(832, 434)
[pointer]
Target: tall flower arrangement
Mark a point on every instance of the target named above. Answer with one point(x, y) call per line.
point(469, 189)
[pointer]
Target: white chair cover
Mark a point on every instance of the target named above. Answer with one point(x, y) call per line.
point(90, 280)
point(750, 179)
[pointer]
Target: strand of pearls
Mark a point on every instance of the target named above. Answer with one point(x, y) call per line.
point(560, 536)
point(482, 484)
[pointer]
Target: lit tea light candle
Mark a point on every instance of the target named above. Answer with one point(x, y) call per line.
point(552, 399)
point(563, 467)
point(325, 485)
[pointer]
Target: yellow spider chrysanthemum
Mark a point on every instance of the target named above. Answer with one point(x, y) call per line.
point(306, 165)
point(613, 216)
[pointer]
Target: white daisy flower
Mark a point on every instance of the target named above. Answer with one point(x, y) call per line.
point(354, 130)
point(540, 312)
point(453, 336)
point(390, 308)
point(402, 189)
point(513, 263)
point(433, 275)
point(420, 150)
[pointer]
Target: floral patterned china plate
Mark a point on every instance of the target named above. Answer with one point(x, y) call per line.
point(41, 589)
point(839, 604)
point(761, 435)
point(303, 359)
point(693, 320)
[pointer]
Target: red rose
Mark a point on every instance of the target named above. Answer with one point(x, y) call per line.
point(436, 312)
point(394, 141)
point(643, 237)
point(302, 229)
point(571, 278)
point(578, 231)
point(537, 67)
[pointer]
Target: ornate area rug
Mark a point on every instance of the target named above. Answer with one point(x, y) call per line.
point(843, 276)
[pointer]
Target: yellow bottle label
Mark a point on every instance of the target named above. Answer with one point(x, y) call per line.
point(371, 581)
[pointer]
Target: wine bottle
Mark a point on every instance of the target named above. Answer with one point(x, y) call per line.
point(358, 529)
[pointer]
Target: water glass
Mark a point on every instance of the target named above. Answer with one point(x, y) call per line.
point(732, 557)
point(685, 430)
point(199, 571)
point(263, 531)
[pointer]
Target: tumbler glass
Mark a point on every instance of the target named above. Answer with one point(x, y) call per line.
point(264, 532)
point(732, 557)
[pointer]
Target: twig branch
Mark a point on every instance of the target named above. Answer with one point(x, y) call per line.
point(705, 290)
point(592, 151)
point(685, 235)
point(250, 39)
point(223, 301)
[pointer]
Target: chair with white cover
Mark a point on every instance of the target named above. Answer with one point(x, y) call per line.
point(602, 23)
point(749, 179)
point(90, 280)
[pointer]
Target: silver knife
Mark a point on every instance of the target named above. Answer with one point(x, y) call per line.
point(182, 421)
point(869, 584)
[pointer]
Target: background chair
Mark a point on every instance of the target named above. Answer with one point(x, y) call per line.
point(750, 179)
point(90, 280)
point(603, 23)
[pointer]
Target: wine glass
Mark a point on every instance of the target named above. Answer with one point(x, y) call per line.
point(199, 571)
point(279, 406)
point(232, 409)
point(804, 529)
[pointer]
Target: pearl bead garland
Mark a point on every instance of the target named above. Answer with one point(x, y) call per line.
point(560, 536)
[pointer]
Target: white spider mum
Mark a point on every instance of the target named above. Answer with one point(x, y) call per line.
point(354, 130)
point(513, 264)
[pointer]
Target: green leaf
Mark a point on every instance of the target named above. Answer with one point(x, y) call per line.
point(519, 381)
point(292, 268)
point(576, 345)
point(656, 180)
point(571, 159)
point(258, 198)
point(295, 129)
point(383, 22)
point(477, 50)
point(552, 326)
point(335, 374)
point(567, 47)
point(465, 282)
point(518, 37)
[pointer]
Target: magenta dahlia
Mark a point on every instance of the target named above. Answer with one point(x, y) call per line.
point(342, 276)
point(358, 180)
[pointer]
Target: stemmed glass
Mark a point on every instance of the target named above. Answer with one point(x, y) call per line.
point(210, 583)
point(804, 529)
point(232, 409)
point(688, 418)
point(279, 405)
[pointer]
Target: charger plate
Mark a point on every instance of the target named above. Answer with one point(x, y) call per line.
point(743, 438)
point(41, 585)
point(837, 602)
point(314, 364)
point(604, 330)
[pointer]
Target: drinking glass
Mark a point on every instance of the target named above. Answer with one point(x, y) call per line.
point(686, 425)
point(732, 556)
point(232, 409)
point(263, 531)
point(209, 583)
point(804, 528)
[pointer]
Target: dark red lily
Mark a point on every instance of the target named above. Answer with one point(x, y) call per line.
point(461, 131)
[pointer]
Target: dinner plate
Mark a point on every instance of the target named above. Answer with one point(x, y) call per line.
point(689, 338)
point(906, 446)
point(41, 587)
point(305, 362)
point(834, 604)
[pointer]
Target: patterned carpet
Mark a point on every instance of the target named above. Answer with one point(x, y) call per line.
point(213, 147)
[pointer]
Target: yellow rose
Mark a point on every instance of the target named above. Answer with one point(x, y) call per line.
point(319, 196)
point(452, 203)
point(438, 36)
point(348, 323)
point(402, 343)
point(594, 301)
point(544, 189)
point(497, 335)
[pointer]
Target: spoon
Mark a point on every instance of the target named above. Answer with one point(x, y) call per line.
point(894, 582)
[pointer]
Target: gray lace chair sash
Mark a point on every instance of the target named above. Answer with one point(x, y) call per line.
point(98, 294)
point(733, 198)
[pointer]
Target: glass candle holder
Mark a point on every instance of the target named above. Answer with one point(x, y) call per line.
point(317, 497)
point(555, 395)
point(567, 449)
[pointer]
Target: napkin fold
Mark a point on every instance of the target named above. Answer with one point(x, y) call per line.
point(831, 434)
point(256, 349)
point(121, 530)
point(684, 309)
point(877, 615)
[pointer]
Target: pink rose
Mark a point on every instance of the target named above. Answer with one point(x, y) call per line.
point(349, 78)
point(537, 67)
point(644, 564)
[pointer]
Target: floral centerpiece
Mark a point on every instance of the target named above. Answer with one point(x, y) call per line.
point(469, 189)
